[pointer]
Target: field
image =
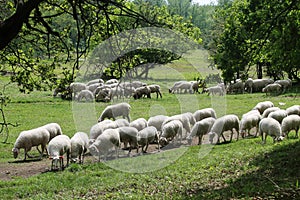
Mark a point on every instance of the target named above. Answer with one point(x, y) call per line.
point(244, 169)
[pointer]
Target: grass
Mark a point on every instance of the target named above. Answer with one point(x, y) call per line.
point(243, 169)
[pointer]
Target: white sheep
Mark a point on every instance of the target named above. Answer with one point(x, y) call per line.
point(54, 129)
point(154, 88)
point(268, 111)
point(95, 81)
point(295, 109)
point(113, 111)
point(285, 84)
point(57, 147)
point(146, 136)
point(279, 115)
point(249, 85)
point(181, 86)
point(98, 128)
point(139, 124)
point(129, 135)
point(142, 91)
point(237, 87)
point(200, 129)
point(116, 92)
point(30, 138)
point(190, 117)
point(93, 87)
point(170, 130)
point(270, 127)
point(111, 82)
point(259, 84)
point(273, 88)
point(79, 146)
point(214, 90)
point(222, 124)
point(204, 113)
point(291, 122)
point(110, 138)
point(86, 95)
point(157, 121)
point(76, 87)
point(249, 120)
point(183, 119)
point(121, 123)
point(262, 106)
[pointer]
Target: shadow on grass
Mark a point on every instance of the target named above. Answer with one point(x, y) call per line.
point(277, 177)
point(26, 161)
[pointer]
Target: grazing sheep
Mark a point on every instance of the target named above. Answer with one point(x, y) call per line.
point(293, 110)
point(180, 86)
point(93, 87)
point(249, 121)
point(54, 129)
point(111, 81)
point(270, 127)
point(170, 130)
point(259, 84)
point(249, 85)
point(146, 136)
point(142, 91)
point(95, 81)
point(139, 124)
point(262, 106)
point(190, 117)
point(129, 135)
point(116, 92)
point(87, 95)
point(98, 128)
point(279, 115)
point(157, 121)
point(79, 146)
point(108, 139)
point(155, 89)
point(222, 124)
point(183, 119)
point(268, 111)
point(285, 84)
point(121, 123)
point(237, 87)
point(214, 90)
point(291, 122)
point(30, 138)
point(204, 113)
point(200, 129)
point(102, 95)
point(273, 88)
point(113, 111)
point(76, 87)
point(57, 147)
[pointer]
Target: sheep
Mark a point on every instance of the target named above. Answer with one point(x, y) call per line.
point(237, 87)
point(113, 111)
point(183, 119)
point(259, 84)
point(195, 86)
point(155, 89)
point(273, 88)
point(214, 90)
point(79, 146)
point(102, 95)
point(270, 127)
point(121, 123)
point(200, 129)
point(93, 87)
point(54, 129)
point(295, 109)
point(279, 115)
point(222, 124)
point(291, 122)
point(204, 113)
point(262, 106)
point(249, 85)
point(285, 84)
point(98, 128)
point(190, 117)
point(139, 124)
point(142, 91)
point(129, 135)
point(85, 94)
point(268, 111)
point(157, 121)
point(76, 87)
point(95, 81)
point(111, 81)
point(116, 92)
point(57, 147)
point(108, 139)
point(249, 121)
point(170, 130)
point(27, 139)
point(181, 86)
point(146, 136)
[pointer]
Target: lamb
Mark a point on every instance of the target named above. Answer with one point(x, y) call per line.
point(279, 115)
point(273, 88)
point(108, 139)
point(291, 122)
point(170, 130)
point(157, 121)
point(79, 146)
point(268, 111)
point(139, 124)
point(200, 129)
point(27, 139)
point(113, 111)
point(57, 147)
point(142, 91)
point(129, 135)
point(285, 84)
point(146, 136)
point(85, 94)
point(204, 113)
point(262, 106)
point(214, 90)
point(54, 129)
point(270, 127)
point(155, 89)
point(181, 86)
point(183, 119)
point(249, 121)
point(222, 124)
point(295, 109)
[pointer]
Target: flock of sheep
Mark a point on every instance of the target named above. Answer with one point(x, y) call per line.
point(114, 130)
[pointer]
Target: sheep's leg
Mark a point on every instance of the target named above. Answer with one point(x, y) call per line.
point(146, 147)
point(68, 158)
point(297, 129)
point(223, 137)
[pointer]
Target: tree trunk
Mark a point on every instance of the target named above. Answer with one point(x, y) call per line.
point(259, 70)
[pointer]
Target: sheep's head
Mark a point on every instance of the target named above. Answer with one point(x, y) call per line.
point(211, 137)
point(163, 141)
point(15, 152)
point(280, 138)
point(189, 139)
